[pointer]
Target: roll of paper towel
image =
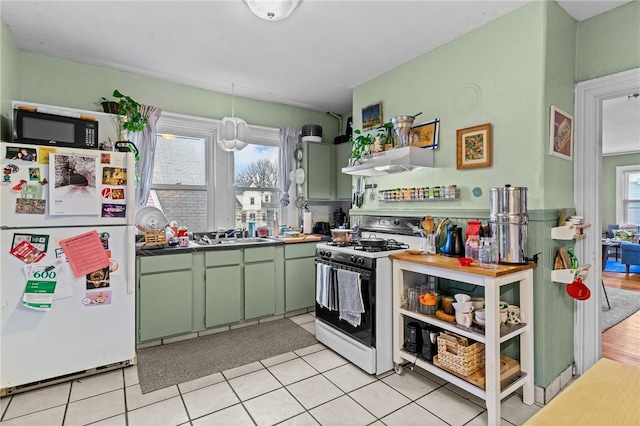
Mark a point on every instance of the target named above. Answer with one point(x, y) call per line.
point(307, 223)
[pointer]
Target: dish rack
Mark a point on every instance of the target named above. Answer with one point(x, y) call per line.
point(153, 237)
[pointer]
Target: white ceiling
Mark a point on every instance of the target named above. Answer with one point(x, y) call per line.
point(313, 59)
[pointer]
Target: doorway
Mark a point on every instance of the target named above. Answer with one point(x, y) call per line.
point(587, 172)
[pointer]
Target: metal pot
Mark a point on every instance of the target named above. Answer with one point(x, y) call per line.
point(508, 222)
point(341, 235)
point(372, 242)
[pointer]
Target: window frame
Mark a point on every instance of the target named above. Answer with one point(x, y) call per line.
point(219, 178)
point(622, 196)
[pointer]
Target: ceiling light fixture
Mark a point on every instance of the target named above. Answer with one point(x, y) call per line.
point(233, 132)
point(272, 10)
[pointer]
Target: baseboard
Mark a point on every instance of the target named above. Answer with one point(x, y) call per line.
point(542, 396)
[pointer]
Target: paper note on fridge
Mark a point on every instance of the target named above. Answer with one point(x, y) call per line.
point(85, 253)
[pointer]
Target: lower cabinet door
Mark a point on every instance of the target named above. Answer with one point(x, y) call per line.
point(165, 305)
point(300, 282)
point(259, 290)
point(223, 292)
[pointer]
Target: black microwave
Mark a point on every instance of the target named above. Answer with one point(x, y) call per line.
point(38, 128)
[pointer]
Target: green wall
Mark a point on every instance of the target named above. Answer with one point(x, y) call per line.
point(10, 79)
point(609, 43)
point(608, 186)
point(494, 74)
point(48, 80)
point(559, 70)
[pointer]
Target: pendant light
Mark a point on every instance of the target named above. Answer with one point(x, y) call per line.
point(272, 10)
point(233, 132)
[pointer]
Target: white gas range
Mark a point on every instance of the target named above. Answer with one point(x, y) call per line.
point(369, 344)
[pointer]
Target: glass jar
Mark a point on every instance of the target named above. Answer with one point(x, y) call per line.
point(488, 253)
point(471, 247)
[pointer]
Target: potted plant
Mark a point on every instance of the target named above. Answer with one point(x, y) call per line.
point(126, 115)
point(360, 145)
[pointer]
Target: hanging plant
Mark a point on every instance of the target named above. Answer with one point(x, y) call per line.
point(126, 115)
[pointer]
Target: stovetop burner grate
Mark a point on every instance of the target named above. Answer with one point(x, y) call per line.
point(391, 245)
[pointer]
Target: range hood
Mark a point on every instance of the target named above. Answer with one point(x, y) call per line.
point(396, 160)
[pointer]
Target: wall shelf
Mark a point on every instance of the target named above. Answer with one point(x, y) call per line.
point(569, 232)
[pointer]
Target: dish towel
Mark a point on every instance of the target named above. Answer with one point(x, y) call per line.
point(350, 296)
point(323, 284)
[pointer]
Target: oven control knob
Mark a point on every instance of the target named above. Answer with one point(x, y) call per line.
point(352, 259)
point(360, 261)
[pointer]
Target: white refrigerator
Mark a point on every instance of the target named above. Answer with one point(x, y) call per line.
point(67, 268)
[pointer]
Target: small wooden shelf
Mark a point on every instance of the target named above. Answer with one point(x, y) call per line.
point(569, 232)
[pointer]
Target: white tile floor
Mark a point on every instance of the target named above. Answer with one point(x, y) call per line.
point(311, 386)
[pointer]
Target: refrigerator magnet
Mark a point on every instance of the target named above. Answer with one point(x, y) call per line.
point(93, 298)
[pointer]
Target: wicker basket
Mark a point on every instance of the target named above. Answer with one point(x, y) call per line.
point(457, 357)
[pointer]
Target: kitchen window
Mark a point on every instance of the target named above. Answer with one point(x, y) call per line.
point(257, 184)
point(205, 188)
point(628, 194)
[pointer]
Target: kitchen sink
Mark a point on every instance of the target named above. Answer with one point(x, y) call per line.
point(229, 241)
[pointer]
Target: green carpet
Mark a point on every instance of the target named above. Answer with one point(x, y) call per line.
point(175, 363)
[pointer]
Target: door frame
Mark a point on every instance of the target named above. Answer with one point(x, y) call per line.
point(587, 172)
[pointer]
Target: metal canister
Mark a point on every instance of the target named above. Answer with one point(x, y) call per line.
point(508, 222)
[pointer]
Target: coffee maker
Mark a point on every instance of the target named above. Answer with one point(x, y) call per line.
point(339, 218)
point(413, 337)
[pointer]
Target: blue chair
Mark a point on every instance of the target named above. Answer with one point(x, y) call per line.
point(629, 254)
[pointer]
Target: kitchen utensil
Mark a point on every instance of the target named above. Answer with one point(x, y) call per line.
point(465, 261)
point(151, 218)
point(462, 298)
point(413, 337)
point(464, 319)
point(463, 306)
point(341, 235)
point(262, 231)
point(372, 242)
point(508, 222)
point(578, 290)
point(454, 246)
point(428, 224)
point(299, 176)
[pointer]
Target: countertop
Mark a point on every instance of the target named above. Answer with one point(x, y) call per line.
point(194, 247)
point(442, 261)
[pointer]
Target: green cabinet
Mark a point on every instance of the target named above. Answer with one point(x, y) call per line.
point(259, 282)
point(223, 287)
point(343, 181)
point(319, 166)
point(300, 276)
point(164, 296)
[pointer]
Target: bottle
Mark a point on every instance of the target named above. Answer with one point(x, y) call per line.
point(488, 253)
point(471, 247)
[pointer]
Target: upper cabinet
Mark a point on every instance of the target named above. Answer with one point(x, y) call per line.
point(343, 182)
point(319, 171)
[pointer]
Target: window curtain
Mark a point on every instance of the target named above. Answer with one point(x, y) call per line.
point(289, 137)
point(145, 141)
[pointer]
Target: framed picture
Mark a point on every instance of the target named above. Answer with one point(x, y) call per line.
point(372, 117)
point(560, 134)
point(425, 135)
point(474, 147)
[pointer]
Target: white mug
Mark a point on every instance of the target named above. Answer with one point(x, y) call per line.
point(513, 314)
point(464, 318)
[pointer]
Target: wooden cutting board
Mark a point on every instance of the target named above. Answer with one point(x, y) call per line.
point(508, 367)
point(302, 239)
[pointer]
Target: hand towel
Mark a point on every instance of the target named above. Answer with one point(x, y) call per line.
point(323, 284)
point(350, 300)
